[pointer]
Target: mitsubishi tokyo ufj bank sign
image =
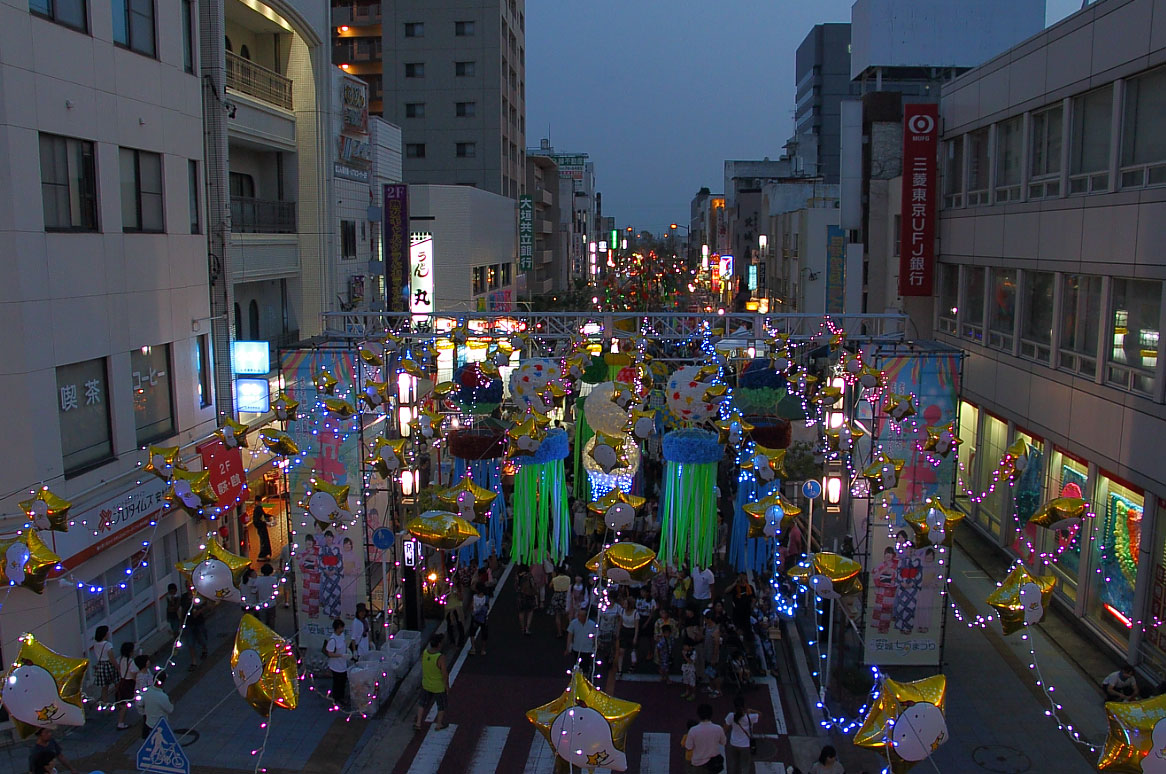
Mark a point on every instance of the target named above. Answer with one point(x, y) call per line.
point(920, 189)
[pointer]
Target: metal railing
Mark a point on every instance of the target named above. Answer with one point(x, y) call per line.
point(262, 216)
point(259, 82)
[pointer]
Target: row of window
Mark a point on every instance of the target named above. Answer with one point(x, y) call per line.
point(134, 23)
point(461, 29)
point(460, 109)
point(467, 69)
point(1107, 328)
point(1064, 148)
point(463, 150)
point(486, 278)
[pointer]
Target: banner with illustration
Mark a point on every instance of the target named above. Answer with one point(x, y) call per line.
point(904, 597)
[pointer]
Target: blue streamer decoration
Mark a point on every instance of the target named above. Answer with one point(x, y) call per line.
point(488, 475)
point(692, 446)
point(749, 554)
point(553, 447)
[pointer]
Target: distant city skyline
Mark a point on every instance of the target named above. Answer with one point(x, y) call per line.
point(661, 98)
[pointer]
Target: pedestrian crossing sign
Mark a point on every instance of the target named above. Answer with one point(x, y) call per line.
point(161, 753)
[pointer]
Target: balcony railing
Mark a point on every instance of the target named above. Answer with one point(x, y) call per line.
point(262, 216)
point(259, 82)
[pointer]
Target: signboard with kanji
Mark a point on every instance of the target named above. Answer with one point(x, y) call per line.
point(396, 246)
point(917, 249)
point(835, 269)
point(226, 470)
point(525, 232)
point(421, 274)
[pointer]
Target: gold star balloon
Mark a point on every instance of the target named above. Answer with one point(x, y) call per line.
point(278, 442)
point(569, 725)
point(801, 383)
point(388, 456)
point(372, 352)
point(427, 423)
point(618, 508)
point(263, 666)
point(641, 423)
point(782, 359)
point(161, 461)
point(27, 561)
point(767, 464)
point(622, 395)
point(827, 396)
point(374, 394)
point(412, 367)
point(468, 500)
point(1014, 461)
point(906, 722)
point(933, 523)
point(338, 408)
point(525, 438)
point(841, 439)
point(325, 382)
point(1022, 599)
point(941, 439)
point(1060, 513)
point(47, 510)
point(42, 688)
point(284, 407)
point(391, 343)
point(442, 530)
point(233, 434)
point(327, 503)
point(733, 431)
point(831, 576)
point(608, 452)
point(1136, 740)
point(625, 562)
point(899, 407)
point(871, 377)
point(215, 573)
point(770, 515)
point(191, 491)
point(883, 473)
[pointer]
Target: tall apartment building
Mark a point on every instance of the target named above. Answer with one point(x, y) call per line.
point(452, 75)
point(1052, 278)
point(822, 70)
point(549, 273)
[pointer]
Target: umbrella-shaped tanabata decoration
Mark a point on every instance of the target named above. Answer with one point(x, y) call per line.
point(906, 722)
point(542, 525)
point(586, 727)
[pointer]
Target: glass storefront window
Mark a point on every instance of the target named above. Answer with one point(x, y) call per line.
point(1027, 496)
point(1036, 315)
point(969, 422)
point(1115, 556)
point(1134, 330)
point(1154, 640)
point(114, 579)
point(1002, 308)
point(1080, 322)
point(973, 310)
point(1068, 477)
point(991, 512)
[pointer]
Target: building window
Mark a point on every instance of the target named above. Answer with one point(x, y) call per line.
point(466, 109)
point(953, 173)
point(1036, 315)
point(187, 36)
point(493, 277)
point(414, 29)
point(415, 150)
point(414, 69)
point(70, 13)
point(1009, 136)
point(1002, 309)
point(202, 370)
point(992, 507)
point(141, 190)
point(1089, 146)
point(1045, 170)
point(1143, 142)
point(192, 183)
point(83, 412)
point(348, 240)
point(506, 274)
point(241, 185)
point(479, 284)
point(966, 451)
point(1110, 601)
point(68, 181)
point(463, 29)
point(949, 288)
point(464, 69)
point(1080, 323)
point(467, 150)
point(414, 110)
point(1135, 309)
point(133, 25)
point(978, 167)
point(972, 319)
point(153, 406)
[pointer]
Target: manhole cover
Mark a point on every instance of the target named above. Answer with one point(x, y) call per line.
point(1001, 758)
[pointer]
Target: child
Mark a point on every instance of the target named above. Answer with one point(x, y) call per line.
point(664, 651)
point(688, 671)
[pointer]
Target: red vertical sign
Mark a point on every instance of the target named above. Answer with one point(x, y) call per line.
point(920, 189)
point(226, 470)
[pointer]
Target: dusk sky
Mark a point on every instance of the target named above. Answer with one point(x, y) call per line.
point(661, 92)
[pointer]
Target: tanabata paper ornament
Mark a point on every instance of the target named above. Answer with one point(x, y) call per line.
point(531, 376)
point(278, 442)
point(733, 431)
point(770, 515)
point(191, 491)
point(883, 473)
point(442, 530)
point(27, 561)
point(338, 408)
point(625, 562)
point(608, 452)
point(284, 407)
point(906, 722)
point(47, 511)
point(325, 382)
point(586, 727)
point(941, 439)
point(233, 434)
point(161, 461)
point(618, 508)
point(642, 424)
point(687, 393)
point(899, 407)
point(933, 523)
point(374, 394)
point(1136, 740)
point(263, 666)
point(388, 456)
point(525, 438)
point(1022, 599)
point(842, 438)
point(603, 414)
point(1060, 513)
point(1014, 461)
point(215, 573)
point(328, 503)
point(427, 423)
point(468, 500)
point(766, 464)
point(831, 576)
point(42, 689)
point(870, 377)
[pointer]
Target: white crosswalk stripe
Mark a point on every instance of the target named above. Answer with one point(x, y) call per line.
point(432, 750)
point(488, 750)
point(541, 759)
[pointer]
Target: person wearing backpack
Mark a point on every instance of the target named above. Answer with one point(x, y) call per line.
point(739, 725)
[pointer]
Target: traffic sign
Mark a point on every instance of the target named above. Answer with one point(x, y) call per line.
point(161, 753)
point(812, 489)
point(382, 538)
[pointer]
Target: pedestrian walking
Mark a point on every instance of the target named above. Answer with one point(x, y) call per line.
point(104, 663)
point(663, 650)
point(154, 704)
point(259, 519)
point(434, 683)
point(455, 613)
point(538, 577)
point(268, 593)
point(127, 679)
point(702, 587)
point(524, 585)
point(45, 751)
point(560, 588)
point(688, 671)
point(629, 632)
point(706, 740)
point(580, 596)
point(336, 648)
point(173, 609)
point(360, 632)
point(742, 596)
point(582, 635)
point(479, 615)
point(739, 725)
point(195, 609)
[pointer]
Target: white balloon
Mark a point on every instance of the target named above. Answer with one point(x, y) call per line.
point(823, 587)
point(618, 575)
point(248, 671)
point(30, 695)
point(773, 515)
point(15, 558)
point(936, 526)
point(619, 516)
point(391, 460)
point(582, 737)
point(1034, 608)
point(606, 457)
point(762, 469)
point(213, 580)
point(602, 413)
point(643, 428)
point(184, 492)
point(160, 464)
point(1155, 762)
point(40, 514)
point(685, 394)
point(323, 505)
point(918, 731)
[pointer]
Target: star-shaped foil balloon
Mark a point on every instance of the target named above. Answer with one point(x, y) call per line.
point(642, 423)
point(412, 367)
point(851, 363)
point(372, 352)
point(871, 377)
point(618, 508)
point(27, 561)
point(841, 439)
point(717, 393)
point(733, 431)
point(191, 491)
point(1022, 599)
point(388, 456)
point(625, 562)
point(263, 666)
point(883, 473)
point(374, 394)
point(525, 438)
point(1014, 461)
point(442, 530)
point(278, 442)
point(392, 343)
point(233, 434)
point(906, 722)
point(830, 575)
point(460, 333)
point(608, 452)
point(801, 383)
point(427, 423)
point(468, 500)
point(284, 407)
point(327, 503)
point(1136, 737)
point(618, 713)
point(933, 523)
point(47, 511)
point(767, 464)
point(827, 396)
point(161, 461)
point(213, 553)
point(899, 407)
point(623, 395)
point(442, 389)
point(42, 689)
point(782, 359)
point(337, 408)
point(770, 515)
point(325, 382)
point(1060, 513)
point(941, 439)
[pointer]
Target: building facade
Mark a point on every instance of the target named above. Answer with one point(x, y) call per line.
point(1051, 278)
point(549, 273)
point(822, 70)
point(577, 208)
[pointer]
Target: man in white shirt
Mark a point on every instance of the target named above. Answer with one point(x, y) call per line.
point(706, 739)
point(337, 652)
point(1121, 685)
point(581, 636)
point(702, 587)
point(154, 704)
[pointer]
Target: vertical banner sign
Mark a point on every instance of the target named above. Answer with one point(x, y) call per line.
point(525, 232)
point(421, 276)
point(835, 270)
point(917, 251)
point(396, 246)
point(225, 467)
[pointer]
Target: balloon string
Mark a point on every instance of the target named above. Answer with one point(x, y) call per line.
point(1054, 707)
point(263, 746)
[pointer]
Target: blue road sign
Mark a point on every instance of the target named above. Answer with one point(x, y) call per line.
point(382, 538)
point(161, 753)
point(812, 489)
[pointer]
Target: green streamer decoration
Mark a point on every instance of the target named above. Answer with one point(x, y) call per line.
point(583, 432)
point(689, 514)
point(542, 523)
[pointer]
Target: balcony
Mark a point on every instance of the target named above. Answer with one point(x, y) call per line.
point(245, 76)
point(262, 216)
